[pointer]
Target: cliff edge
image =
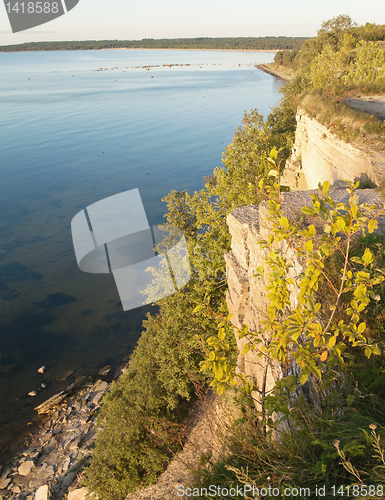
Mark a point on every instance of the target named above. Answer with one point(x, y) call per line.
point(318, 155)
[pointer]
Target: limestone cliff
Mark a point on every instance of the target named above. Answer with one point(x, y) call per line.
point(318, 155)
point(246, 296)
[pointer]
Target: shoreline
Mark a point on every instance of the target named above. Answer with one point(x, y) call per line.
point(53, 456)
point(279, 73)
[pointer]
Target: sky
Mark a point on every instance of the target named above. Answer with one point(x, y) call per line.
point(133, 20)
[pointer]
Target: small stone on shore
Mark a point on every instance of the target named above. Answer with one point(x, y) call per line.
point(80, 494)
point(4, 483)
point(42, 493)
point(25, 468)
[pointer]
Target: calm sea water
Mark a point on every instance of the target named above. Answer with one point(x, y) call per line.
point(77, 127)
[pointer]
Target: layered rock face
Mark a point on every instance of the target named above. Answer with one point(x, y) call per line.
point(246, 296)
point(318, 155)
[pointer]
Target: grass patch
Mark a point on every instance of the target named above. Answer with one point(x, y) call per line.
point(349, 124)
point(320, 449)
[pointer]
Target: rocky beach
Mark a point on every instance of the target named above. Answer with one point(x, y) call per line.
point(51, 463)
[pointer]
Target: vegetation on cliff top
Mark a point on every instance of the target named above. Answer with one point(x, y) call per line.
point(344, 60)
point(340, 34)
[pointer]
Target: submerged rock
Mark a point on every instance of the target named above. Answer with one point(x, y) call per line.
point(64, 376)
point(105, 370)
point(33, 393)
point(42, 369)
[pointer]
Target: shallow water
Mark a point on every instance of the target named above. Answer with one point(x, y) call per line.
point(73, 134)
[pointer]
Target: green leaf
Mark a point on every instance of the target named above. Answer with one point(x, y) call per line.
point(273, 154)
point(368, 256)
point(312, 230)
point(212, 356)
point(350, 399)
point(325, 188)
point(372, 225)
point(219, 371)
point(376, 350)
point(221, 334)
point(341, 224)
point(307, 210)
point(284, 222)
point(308, 246)
point(304, 378)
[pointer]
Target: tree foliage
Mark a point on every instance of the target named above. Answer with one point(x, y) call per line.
point(368, 64)
point(327, 70)
point(342, 56)
point(185, 341)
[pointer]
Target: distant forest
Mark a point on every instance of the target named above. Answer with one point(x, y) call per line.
point(252, 43)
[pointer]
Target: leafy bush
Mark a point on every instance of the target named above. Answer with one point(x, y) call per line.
point(368, 64)
point(327, 71)
point(140, 419)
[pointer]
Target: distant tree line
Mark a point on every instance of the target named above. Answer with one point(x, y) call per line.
point(245, 43)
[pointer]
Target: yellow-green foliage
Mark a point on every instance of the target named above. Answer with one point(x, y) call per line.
point(327, 71)
point(331, 71)
point(368, 64)
point(342, 56)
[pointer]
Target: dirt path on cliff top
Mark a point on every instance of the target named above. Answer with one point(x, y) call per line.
point(372, 104)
